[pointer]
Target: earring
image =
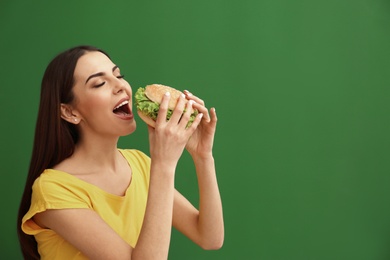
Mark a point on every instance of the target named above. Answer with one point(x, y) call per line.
point(75, 119)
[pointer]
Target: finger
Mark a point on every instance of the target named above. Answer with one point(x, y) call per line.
point(163, 110)
point(202, 109)
point(187, 114)
point(178, 111)
point(191, 129)
point(213, 116)
point(190, 96)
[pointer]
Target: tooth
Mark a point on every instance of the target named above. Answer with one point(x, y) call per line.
point(121, 104)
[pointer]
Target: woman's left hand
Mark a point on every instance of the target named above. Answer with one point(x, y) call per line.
point(201, 141)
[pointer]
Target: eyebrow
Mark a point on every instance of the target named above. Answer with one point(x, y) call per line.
point(99, 74)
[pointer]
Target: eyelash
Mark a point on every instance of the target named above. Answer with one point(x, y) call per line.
point(101, 84)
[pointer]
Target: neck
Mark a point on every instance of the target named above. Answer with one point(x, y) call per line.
point(101, 153)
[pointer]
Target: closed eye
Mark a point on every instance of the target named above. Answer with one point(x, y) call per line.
point(99, 85)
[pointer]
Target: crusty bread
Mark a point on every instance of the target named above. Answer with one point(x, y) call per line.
point(155, 92)
point(146, 119)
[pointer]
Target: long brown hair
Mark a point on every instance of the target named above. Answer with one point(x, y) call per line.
point(55, 138)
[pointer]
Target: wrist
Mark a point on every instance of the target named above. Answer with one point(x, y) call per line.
point(163, 167)
point(203, 158)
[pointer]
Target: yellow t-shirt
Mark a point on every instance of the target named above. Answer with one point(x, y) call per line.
point(59, 190)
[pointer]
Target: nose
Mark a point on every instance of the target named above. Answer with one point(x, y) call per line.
point(119, 85)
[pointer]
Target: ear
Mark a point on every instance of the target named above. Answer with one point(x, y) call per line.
point(68, 114)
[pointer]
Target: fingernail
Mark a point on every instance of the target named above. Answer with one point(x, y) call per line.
point(182, 95)
point(200, 115)
point(191, 102)
point(188, 93)
point(167, 94)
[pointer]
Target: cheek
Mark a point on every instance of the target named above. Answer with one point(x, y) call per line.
point(93, 105)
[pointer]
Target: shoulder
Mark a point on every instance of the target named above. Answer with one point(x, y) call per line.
point(53, 178)
point(54, 186)
point(49, 179)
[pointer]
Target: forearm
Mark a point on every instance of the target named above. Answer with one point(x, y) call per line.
point(210, 221)
point(154, 239)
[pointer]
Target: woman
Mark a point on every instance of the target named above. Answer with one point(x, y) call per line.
point(86, 199)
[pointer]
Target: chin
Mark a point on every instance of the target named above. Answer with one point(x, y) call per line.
point(131, 129)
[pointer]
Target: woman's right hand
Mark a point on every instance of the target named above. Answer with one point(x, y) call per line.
point(168, 138)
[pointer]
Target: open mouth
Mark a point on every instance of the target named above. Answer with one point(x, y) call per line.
point(122, 109)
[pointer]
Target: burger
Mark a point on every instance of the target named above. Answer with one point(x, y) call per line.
point(148, 99)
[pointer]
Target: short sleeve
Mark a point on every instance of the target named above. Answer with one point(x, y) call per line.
point(53, 192)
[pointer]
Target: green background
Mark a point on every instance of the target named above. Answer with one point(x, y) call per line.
point(301, 90)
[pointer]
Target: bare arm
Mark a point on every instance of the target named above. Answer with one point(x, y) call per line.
point(205, 227)
point(85, 230)
point(154, 239)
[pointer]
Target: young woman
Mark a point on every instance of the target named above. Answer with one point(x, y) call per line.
point(86, 199)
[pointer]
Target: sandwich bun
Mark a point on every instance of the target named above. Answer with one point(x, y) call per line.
point(156, 92)
point(146, 119)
